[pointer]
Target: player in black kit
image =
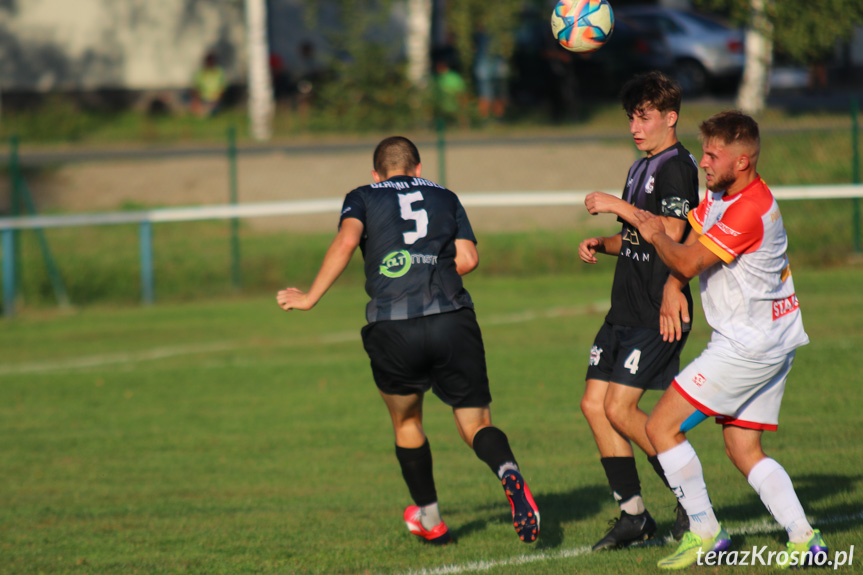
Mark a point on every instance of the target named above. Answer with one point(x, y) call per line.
point(422, 332)
point(638, 347)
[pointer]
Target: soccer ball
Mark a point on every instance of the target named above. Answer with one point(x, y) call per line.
point(582, 25)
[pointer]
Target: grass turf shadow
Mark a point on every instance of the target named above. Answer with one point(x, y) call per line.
point(555, 509)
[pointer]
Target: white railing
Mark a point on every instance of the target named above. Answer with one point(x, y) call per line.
point(146, 218)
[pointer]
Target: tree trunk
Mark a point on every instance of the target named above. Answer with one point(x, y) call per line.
point(752, 96)
point(418, 41)
point(260, 84)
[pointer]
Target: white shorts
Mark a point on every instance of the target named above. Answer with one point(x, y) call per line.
point(736, 390)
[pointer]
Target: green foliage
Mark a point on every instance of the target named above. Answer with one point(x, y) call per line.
point(803, 30)
point(368, 93)
point(365, 89)
point(467, 17)
point(808, 32)
point(60, 120)
point(56, 116)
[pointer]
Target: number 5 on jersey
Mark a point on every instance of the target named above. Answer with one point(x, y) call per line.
point(420, 216)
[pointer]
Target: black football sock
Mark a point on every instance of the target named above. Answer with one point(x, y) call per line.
point(622, 477)
point(416, 464)
point(491, 445)
point(654, 461)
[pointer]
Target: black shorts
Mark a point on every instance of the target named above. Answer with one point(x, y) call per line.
point(634, 356)
point(441, 352)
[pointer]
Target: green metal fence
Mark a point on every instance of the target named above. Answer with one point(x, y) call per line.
point(60, 265)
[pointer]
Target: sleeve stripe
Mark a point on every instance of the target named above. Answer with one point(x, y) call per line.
point(694, 222)
point(714, 247)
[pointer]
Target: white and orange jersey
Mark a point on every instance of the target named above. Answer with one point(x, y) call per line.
point(750, 299)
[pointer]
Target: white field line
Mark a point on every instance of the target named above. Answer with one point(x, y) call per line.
point(762, 527)
point(120, 358)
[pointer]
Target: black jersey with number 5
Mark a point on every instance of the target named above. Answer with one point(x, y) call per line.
point(408, 244)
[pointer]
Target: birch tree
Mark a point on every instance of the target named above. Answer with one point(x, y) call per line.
point(806, 32)
point(752, 96)
point(418, 41)
point(260, 84)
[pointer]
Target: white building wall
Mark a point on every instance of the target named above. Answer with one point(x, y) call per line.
point(129, 44)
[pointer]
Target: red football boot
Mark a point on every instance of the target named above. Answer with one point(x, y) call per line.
point(525, 515)
point(438, 535)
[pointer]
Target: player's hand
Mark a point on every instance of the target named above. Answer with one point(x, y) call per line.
point(649, 225)
point(600, 203)
point(673, 313)
point(293, 298)
point(587, 250)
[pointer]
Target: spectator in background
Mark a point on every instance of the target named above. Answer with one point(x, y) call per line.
point(309, 74)
point(208, 87)
point(491, 72)
point(282, 87)
point(450, 94)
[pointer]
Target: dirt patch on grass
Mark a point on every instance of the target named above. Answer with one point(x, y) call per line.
point(99, 186)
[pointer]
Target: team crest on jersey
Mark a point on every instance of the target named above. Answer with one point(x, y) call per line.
point(699, 380)
point(595, 353)
point(631, 236)
point(396, 264)
point(648, 187)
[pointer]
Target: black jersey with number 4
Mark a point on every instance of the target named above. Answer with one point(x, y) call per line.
point(665, 184)
point(408, 244)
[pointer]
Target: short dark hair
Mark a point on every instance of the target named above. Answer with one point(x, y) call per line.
point(395, 153)
point(731, 127)
point(651, 90)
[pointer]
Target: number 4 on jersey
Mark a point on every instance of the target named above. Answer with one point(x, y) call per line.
point(420, 216)
point(631, 362)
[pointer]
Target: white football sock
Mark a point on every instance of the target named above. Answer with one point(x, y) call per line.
point(686, 478)
point(773, 485)
point(509, 465)
point(634, 505)
point(430, 516)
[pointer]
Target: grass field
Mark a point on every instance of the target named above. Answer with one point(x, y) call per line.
point(225, 436)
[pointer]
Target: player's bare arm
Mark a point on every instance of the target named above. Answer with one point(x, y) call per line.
point(602, 203)
point(687, 260)
point(466, 257)
point(588, 248)
point(335, 261)
point(674, 310)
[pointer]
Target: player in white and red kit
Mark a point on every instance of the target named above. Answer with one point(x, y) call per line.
point(738, 250)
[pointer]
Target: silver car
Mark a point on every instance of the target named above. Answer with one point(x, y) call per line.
point(706, 50)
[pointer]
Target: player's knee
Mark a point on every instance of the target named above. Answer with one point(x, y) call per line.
point(408, 426)
point(618, 414)
point(593, 409)
point(654, 428)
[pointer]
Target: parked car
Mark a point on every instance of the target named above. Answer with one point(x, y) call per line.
point(633, 48)
point(545, 73)
point(707, 52)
